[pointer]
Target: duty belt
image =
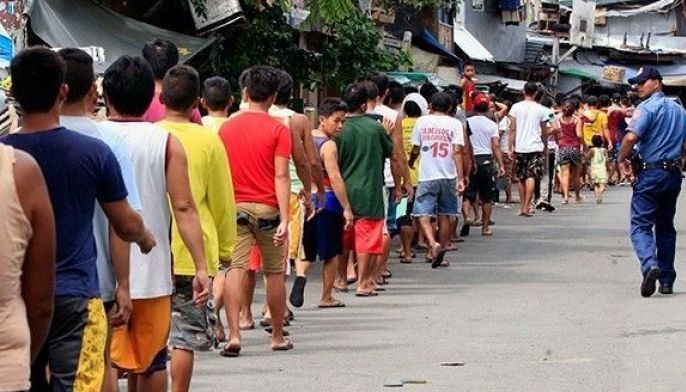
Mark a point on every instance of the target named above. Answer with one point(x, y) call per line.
point(668, 165)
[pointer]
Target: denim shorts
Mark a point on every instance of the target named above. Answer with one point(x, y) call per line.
point(436, 197)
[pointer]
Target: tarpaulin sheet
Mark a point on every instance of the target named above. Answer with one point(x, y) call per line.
point(82, 23)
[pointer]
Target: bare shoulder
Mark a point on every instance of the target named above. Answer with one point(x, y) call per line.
point(28, 178)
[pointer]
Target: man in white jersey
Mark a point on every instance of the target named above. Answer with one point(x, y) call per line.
point(439, 138)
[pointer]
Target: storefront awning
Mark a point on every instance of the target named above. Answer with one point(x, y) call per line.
point(428, 42)
point(83, 24)
point(470, 45)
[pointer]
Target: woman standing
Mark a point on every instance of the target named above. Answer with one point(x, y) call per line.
point(570, 151)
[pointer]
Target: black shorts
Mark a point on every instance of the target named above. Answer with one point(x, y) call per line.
point(482, 183)
point(323, 235)
point(529, 165)
point(75, 348)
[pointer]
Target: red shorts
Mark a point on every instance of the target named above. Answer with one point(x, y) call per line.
point(255, 263)
point(366, 236)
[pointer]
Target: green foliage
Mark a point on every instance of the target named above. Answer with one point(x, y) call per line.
point(355, 52)
point(268, 40)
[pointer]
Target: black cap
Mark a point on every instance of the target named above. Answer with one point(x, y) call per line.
point(646, 74)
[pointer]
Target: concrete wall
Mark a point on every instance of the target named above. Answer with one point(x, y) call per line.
point(506, 43)
point(635, 25)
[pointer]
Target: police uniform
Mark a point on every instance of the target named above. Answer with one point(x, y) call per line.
point(660, 125)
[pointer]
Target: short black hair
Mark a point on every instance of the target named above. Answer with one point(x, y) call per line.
point(624, 101)
point(604, 101)
point(181, 88)
point(395, 92)
point(37, 76)
point(412, 109)
point(616, 97)
point(547, 102)
point(381, 81)
point(162, 56)
point(530, 89)
point(597, 141)
point(262, 82)
point(242, 79)
point(355, 95)
point(482, 107)
point(468, 63)
point(427, 91)
point(216, 91)
point(371, 88)
point(441, 102)
point(285, 91)
point(80, 75)
point(592, 101)
point(129, 85)
point(331, 106)
point(456, 91)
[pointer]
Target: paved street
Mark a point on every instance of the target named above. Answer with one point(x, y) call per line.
point(548, 304)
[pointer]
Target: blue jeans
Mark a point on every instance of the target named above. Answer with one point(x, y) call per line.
point(653, 205)
point(436, 197)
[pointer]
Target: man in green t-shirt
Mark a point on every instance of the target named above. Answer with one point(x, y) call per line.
point(363, 146)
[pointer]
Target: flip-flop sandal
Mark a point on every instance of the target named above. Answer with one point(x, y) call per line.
point(459, 240)
point(406, 261)
point(352, 281)
point(487, 233)
point(340, 290)
point(370, 294)
point(387, 274)
point(283, 331)
point(445, 264)
point(379, 288)
point(439, 259)
point(335, 304)
point(248, 327)
point(285, 346)
point(230, 352)
point(264, 323)
point(290, 316)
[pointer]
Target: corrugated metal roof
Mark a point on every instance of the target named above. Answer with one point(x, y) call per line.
point(659, 45)
point(604, 3)
point(470, 45)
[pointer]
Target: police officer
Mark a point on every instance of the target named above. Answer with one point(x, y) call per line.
point(658, 128)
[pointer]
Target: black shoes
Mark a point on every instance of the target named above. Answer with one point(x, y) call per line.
point(648, 285)
point(666, 289)
point(298, 291)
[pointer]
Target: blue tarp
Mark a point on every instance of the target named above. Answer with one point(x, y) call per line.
point(428, 42)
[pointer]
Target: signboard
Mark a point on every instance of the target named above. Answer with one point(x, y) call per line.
point(583, 23)
point(215, 14)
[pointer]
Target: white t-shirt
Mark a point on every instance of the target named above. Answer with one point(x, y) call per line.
point(528, 116)
point(437, 137)
point(504, 127)
point(484, 130)
point(392, 115)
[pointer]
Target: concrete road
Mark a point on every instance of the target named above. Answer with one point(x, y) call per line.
point(549, 303)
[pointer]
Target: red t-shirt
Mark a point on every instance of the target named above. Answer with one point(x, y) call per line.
point(252, 141)
point(614, 119)
point(468, 89)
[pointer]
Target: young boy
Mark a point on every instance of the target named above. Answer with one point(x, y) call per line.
point(210, 180)
point(323, 235)
point(217, 100)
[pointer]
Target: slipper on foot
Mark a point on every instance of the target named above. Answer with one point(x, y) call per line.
point(230, 351)
point(334, 304)
point(439, 259)
point(370, 294)
point(297, 296)
point(285, 346)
